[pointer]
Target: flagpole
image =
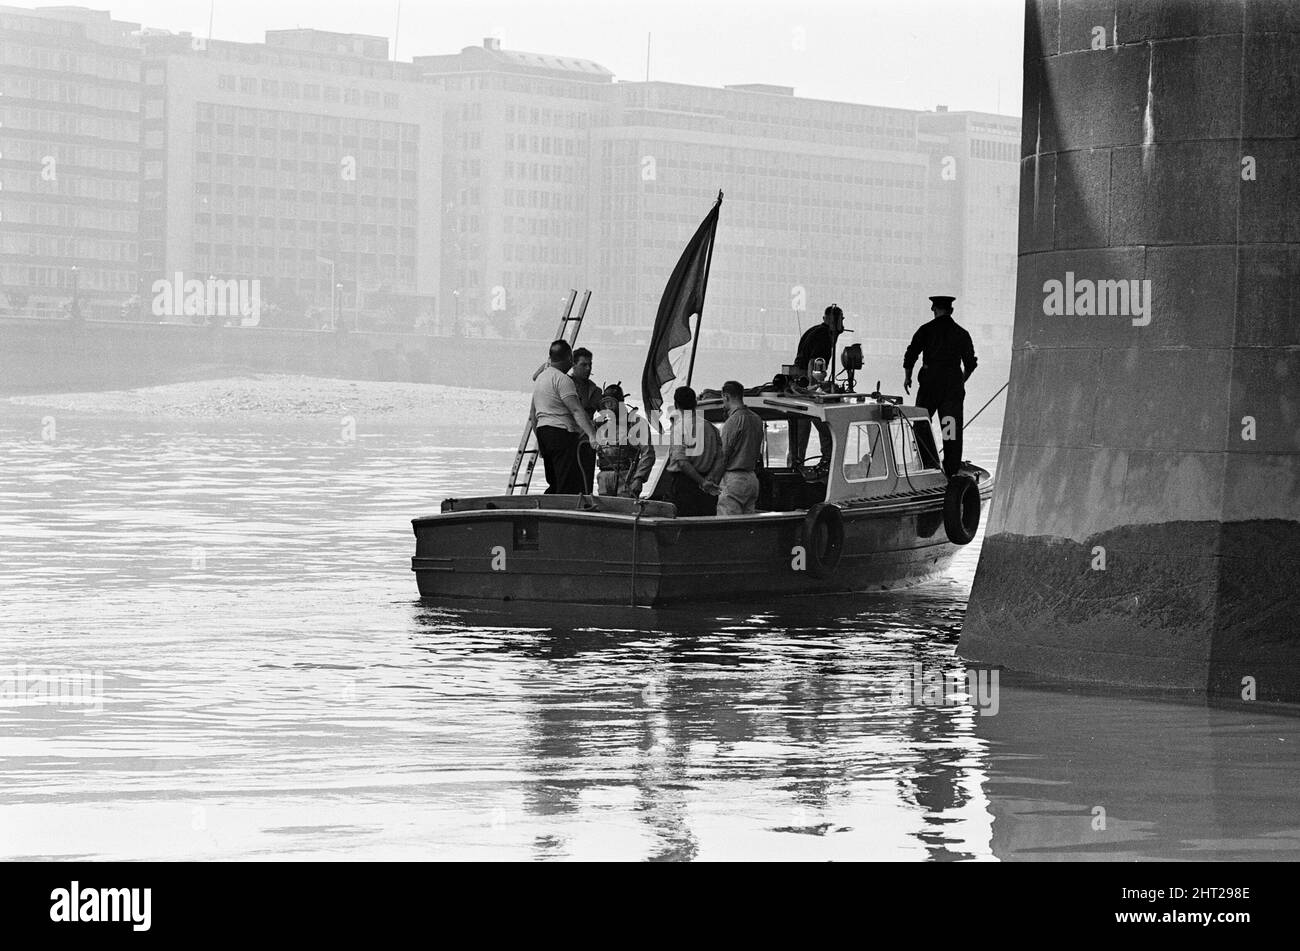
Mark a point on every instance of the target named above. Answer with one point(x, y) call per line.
point(699, 318)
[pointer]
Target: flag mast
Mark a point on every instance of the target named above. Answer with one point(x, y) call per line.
point(699, 318)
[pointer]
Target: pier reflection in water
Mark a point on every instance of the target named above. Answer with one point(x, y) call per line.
point(272, 687)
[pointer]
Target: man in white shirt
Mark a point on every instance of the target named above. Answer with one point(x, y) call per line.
point(561, 422)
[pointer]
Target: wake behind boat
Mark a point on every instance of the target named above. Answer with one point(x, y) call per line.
point(878, 513)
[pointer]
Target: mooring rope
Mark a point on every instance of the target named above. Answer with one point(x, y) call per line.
point(986, 405)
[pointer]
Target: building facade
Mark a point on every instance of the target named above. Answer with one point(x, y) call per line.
point(310, 163)
point(517, 183)
point(466, 193)
point(69, 161)
point(976, 185)
point(558, 177)
point(823, 204)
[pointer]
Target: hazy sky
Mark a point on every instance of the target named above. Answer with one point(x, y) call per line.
point(908, 53)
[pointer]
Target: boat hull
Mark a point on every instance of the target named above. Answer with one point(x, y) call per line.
point(561, 553)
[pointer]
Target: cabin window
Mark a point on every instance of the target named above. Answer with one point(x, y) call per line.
point(912, 454)
point(864, 453)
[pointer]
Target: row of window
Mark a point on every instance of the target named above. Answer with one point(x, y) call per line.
point(305, 255)
point(87, 159)
point(535, 198)
point(546, 279)
point(267, 230)
point(290, 221)
point(341, 169)
point(721, 103)
point(549, 226)
point(68, 247)
point(895, 140)
point(537, 171)
point(386, 182)
point(308, 92)
point(542, 144)
point(288, 144)
point(246, 193)
point(287, 267)
point(65, 215)
point(997, 151)
point(71, 186)
point(550, 118)
point(755, 161)
point(88, 280)
point(26, 52)
point(70, 123)
point(529, 84)
point(70, 93)
point(246, 118)
point(543, 254)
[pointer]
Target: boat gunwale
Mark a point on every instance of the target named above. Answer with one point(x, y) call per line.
point(866, 506)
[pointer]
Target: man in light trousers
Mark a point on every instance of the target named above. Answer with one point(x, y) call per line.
point(742, 447)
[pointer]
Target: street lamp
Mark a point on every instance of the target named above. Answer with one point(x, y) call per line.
point(338, 301)
point(147, 261)
point(456, 329)
point(76, 294)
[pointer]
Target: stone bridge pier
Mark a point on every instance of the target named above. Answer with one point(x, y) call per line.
point(1146, 522)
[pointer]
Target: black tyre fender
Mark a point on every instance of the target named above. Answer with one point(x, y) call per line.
point(961, 509)
point(822, 538)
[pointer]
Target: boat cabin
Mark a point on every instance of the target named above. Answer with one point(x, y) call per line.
point(879, 448)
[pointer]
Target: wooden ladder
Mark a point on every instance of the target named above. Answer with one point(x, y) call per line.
point(521, 473)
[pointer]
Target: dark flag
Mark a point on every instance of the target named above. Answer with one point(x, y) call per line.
point(683, 297)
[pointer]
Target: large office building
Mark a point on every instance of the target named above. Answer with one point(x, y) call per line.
point(974, 239)
point(310, 163)
point(824, 203)
point(555, 177)
point(69, 161)
point(466, 193)
point(518, 131)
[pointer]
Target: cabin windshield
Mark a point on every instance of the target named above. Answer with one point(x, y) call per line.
point(864, 452)
point(914, 447)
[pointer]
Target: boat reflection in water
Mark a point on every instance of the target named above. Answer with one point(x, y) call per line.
point(805, 732)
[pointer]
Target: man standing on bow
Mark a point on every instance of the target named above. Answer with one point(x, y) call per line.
point(561, 422)
point(947, 361)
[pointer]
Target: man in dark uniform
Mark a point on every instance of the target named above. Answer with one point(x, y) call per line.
point(947, 361)
point(818, 341)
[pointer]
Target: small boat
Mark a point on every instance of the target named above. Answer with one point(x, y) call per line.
point(879, 513)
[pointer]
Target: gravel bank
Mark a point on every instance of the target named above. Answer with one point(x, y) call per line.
point(287, 398)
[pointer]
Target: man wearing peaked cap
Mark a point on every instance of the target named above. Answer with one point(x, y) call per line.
point(947, 361)
point(817, 341)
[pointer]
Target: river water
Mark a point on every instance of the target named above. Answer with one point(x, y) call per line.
point(259, 680)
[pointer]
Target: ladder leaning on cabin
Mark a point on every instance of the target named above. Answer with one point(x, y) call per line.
point(570, 324)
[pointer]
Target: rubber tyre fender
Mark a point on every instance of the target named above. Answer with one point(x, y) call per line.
point(961, 510)
point(822, 517)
